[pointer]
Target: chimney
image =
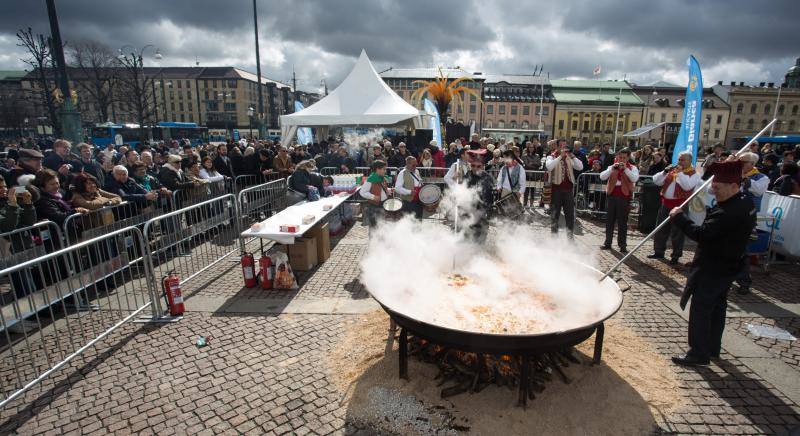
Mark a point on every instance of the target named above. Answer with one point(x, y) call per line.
point(761, 85)
point(719, 83)
point(733, 83)
point(741, 83)
point(771, 84)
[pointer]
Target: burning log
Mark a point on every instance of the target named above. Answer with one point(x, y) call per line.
point(472, 372)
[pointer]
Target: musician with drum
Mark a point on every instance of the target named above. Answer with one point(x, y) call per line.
point(458, 170)
point(408, 185)
point(375, 191)
point(511, 179)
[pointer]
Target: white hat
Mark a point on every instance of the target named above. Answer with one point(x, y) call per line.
point(433, 142)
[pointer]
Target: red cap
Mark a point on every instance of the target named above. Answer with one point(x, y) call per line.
point(725, 172)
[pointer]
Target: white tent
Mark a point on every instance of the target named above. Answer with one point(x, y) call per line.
point(362, 99)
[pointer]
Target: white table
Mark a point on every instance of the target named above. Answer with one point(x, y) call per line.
point(293, 215)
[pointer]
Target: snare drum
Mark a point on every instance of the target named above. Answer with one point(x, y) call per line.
point(509, 206)
point(392, 209)
point(430, 196)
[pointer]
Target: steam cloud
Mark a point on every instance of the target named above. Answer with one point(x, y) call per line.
point(407, 264)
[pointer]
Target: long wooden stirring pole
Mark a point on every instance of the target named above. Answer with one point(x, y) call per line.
point(691, 197)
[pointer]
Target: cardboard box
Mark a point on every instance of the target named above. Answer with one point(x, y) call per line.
point(322, 236)
point(303, 254)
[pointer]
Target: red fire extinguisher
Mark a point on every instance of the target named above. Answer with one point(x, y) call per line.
point(265, 269)
point(249, 270)
point(172, 290)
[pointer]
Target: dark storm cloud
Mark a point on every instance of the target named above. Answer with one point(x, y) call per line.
point(734, 39)
point(716, 29)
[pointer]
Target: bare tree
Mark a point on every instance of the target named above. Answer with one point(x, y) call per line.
point(96, 65)
point(137, 90)
point(41, 61)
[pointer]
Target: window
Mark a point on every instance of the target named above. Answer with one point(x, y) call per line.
point(501, 109)
point(214, 83)
point(719, 119)
point(620, 125)
point(781, 109)
point(526, 110)
point(794, 110)
point(460, 109)
point(546, 111)
point(182, 117)
point(586, 126)
point(739, 108)
point(472, 108)
point(560, 124)
point(663, 118)
point(180, 105)
point(750, 124)
point(574, 125)
point(489, 109)
point(597, 124)
point(488, 124)
point(652, 117)
point(189, 95)
point(791, 126)
point(232, 83)
point(767, 108)
point(753, 108)
point(716, 133)
point(674, 118)
point(188, 85)
point(737, 124)
point(191, 118)
point(633, 125)
point(525, 125)
point(514, 110)
point(501, 124)
point(179, 83)
point(764, 123)
point(206, 94)
point(513, 124)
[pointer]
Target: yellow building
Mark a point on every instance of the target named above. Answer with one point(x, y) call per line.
point(586, 110)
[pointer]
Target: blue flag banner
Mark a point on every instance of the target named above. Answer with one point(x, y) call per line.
point(304, 135)
point(689, 134)
point(430, 109)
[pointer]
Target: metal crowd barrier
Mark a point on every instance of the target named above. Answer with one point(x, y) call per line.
point(28, 243)
point(191, 240)
point(432, 175)
point(590, 196)
point(182, 198)
point(40, 328)
point(258, 203)
point(78, 227)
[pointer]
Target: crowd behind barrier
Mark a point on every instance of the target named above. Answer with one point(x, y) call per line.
point(178, 209)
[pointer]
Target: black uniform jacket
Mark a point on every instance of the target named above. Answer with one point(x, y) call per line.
point(722, 239)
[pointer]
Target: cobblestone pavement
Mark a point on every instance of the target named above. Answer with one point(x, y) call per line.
point(263, 373)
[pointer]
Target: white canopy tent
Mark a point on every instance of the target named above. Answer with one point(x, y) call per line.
point(362, 99)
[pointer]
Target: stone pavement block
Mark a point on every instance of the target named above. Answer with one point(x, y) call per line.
point(777, 373)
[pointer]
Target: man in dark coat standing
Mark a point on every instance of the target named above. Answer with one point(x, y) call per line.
point(222, 163)
point(721, 245)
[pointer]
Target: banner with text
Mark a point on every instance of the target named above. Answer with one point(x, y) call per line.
point(689, 134)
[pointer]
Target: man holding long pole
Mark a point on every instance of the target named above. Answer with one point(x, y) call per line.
point(721, 244)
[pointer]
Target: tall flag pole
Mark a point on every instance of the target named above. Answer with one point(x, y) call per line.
point(689, 134)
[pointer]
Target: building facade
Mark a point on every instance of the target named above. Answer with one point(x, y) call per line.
point(752, 107)
point(663, 107)
point(586, 110)
point(216, 97)
point(518, 105)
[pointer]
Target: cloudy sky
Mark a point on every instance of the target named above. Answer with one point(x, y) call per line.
point(741, 40)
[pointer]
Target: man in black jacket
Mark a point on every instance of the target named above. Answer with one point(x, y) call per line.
point(721, 245)
point(222, 163)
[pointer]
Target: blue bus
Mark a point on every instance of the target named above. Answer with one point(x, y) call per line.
point(167, 131)
point(104, 134)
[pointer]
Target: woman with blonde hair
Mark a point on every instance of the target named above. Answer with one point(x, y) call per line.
point(426, 159)
point(645, 159)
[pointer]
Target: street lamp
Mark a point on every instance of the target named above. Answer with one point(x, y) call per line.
point(225, 95)
point(647, 112)
point(250, 112)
